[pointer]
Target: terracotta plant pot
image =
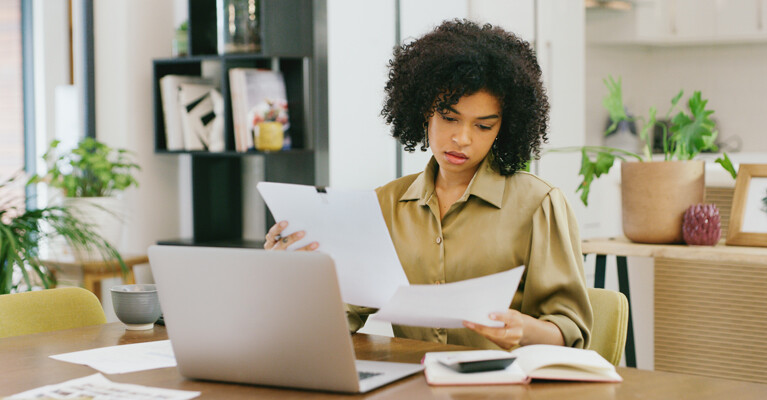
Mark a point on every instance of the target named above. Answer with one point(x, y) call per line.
point(655, 196)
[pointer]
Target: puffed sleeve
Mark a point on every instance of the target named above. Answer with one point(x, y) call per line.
point(555, 285)
point(356, 316)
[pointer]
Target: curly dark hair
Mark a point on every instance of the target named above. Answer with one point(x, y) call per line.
point(460, 58)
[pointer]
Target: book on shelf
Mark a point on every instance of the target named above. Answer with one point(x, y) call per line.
point(170, 86)
point(258, 95)
point(539, 361)
point(201, 109)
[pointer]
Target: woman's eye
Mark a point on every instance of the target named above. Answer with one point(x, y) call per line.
point(485, 127)
point(448, 118)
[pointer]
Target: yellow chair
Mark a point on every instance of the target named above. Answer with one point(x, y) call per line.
point(611, 318)
point(48, 310)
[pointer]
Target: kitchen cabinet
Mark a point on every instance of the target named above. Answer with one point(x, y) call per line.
point(680, 22)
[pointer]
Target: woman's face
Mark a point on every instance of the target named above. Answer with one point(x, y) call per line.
point(462, 136)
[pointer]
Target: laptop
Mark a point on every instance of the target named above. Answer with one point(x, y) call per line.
point(262, 317)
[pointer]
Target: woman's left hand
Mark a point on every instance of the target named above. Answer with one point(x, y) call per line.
point(507, 336)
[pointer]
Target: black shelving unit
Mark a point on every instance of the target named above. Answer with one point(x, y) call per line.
point(287, 44)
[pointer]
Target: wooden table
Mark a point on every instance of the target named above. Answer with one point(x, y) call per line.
point(24, 364)
point(717, 287)
point(94, 271)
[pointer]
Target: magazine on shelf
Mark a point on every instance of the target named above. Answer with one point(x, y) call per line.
point(170, 86)
point(258, 95)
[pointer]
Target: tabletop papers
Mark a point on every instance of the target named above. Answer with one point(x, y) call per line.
point(448, 305)
point(98, 387)
point(349, 226)
point(125, 358)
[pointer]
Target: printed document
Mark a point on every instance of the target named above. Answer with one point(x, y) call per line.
point(125, 358)
point(349, 227)
point(448, 305)
point(96, 386)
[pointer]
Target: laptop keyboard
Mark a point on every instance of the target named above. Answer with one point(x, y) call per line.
point(365, 375)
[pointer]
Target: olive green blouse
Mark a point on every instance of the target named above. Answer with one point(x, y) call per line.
point(499, 223)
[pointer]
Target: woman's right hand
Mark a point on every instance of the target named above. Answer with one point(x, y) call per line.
point(275, 241)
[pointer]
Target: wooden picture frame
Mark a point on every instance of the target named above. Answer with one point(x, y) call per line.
point(748, 217)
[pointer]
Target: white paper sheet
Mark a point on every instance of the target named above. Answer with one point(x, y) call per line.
point(98, 387)
point(125, 358)
point(349, 226)
point(448, 305)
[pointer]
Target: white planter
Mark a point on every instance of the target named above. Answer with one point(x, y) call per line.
point(107, 215)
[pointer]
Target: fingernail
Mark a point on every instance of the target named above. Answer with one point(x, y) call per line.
point(493, 316)
point(283, 224)
point(300, 234)
point(314, 245)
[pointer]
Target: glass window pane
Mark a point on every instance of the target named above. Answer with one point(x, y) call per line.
point(11, 104)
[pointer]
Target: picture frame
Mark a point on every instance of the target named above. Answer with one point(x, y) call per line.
point(748, 216)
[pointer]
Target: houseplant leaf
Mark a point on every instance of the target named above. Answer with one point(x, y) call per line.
point(693, 133)
point(613, 102)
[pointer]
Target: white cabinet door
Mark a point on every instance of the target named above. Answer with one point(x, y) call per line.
point(416, 19)
point(738, 17)
point(361, 36)
point(517, 16)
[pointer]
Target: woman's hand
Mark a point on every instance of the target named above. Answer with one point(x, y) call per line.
point(275, 241)
point(507, 336)
point(518, 329)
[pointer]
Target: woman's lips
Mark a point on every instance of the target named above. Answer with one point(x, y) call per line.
point(455, 157)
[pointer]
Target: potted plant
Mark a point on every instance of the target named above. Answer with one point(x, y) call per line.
point(23, 231)
point(91, 176)
point(655, 193)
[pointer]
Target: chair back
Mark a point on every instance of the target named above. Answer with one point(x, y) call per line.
point(611, 318)
point(48, 310)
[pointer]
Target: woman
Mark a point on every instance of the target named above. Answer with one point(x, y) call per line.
point(473, 96)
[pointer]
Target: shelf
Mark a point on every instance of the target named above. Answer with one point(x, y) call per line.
point(281, 153)
point(252, 244)
point(287, 44)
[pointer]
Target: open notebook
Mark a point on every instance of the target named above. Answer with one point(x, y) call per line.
point(532, 362)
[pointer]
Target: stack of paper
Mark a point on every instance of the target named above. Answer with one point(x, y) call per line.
point(349, 227)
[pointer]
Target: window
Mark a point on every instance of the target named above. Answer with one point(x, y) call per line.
point(11, 101)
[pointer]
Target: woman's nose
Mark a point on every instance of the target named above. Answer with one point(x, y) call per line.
point(462, 136)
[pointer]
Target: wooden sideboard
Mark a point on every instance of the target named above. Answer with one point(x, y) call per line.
point(710, 308)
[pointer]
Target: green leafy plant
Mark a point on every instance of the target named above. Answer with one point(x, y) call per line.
point(23, 231)
point(93, 169)
point(690, 133)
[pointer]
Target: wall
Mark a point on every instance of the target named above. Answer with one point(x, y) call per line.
point(124, 112)
point(730, 76)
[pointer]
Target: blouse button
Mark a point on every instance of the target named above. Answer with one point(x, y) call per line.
point(439, 239)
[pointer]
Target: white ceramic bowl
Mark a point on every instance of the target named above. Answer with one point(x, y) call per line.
point(137, 306)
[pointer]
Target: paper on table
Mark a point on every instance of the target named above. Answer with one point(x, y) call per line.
point(125, 358)
point(446, 306)
point(349, 227)
point(97, 386)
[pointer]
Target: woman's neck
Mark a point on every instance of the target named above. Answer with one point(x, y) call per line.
point(448, 181)
point(449, 188)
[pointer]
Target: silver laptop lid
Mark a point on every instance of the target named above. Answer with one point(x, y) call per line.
point(255, 316)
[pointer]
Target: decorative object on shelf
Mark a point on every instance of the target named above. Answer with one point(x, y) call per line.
point(270, 136)
point(238, 30)
point(201, 109)
point(701, 225)
point(748, 220)
point(181, 40)
point(90, 177)
point(258, 95)
point(179, 92)
point(689, 134)
point(23, 232)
